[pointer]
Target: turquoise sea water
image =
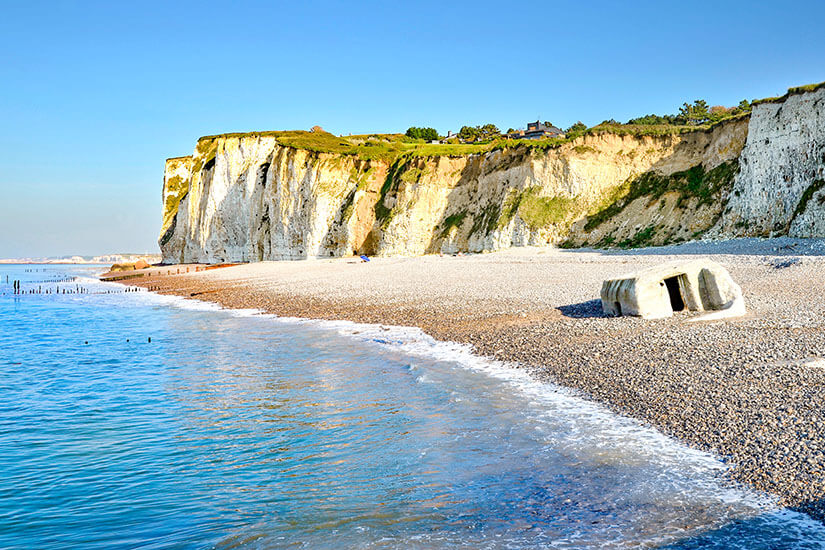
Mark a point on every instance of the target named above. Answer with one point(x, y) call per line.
point(239, 430)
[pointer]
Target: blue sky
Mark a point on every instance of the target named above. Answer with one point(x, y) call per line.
point(95, 96)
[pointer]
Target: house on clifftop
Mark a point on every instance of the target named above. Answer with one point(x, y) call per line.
point(537, 130)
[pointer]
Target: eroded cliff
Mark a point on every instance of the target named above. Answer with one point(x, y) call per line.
point(251, 197)
point(779, 188)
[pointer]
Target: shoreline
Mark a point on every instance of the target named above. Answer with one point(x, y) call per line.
point(747, 389)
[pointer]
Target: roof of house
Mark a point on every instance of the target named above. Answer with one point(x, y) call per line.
point(538, 126)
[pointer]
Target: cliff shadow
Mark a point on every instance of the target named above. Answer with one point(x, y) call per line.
point(354, 228)
point(472, 209)
point(742, 246)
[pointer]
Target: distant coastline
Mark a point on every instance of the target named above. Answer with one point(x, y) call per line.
point(81, 260)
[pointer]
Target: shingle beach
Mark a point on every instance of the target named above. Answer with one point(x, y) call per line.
point(749, 389)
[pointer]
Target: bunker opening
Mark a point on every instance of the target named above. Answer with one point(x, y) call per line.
point(676, 301)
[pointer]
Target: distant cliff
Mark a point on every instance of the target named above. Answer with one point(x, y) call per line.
point(259, 196)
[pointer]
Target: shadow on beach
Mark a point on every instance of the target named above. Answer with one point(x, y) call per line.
point(746, 246)
point(583, 310)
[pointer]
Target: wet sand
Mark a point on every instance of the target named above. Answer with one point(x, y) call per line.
point(749, 389)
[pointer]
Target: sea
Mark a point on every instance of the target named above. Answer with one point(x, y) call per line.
point(132, 420)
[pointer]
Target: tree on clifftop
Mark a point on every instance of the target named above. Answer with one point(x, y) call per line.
point(427, 134)
point(473, 133)
point(468, 133)
point(743, 107)
point(489, 131)
point(696, 113)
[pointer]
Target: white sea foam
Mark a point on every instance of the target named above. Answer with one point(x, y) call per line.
point(414, 341)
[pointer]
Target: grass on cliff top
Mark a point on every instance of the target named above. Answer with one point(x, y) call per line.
point(378, 137)
point(324, 142)
point(390, 147)
point(791, 91)
point(385, 147)
point(658, 129)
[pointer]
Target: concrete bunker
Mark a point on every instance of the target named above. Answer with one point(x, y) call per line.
point(659, 291)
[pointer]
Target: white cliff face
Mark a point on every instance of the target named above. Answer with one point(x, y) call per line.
point(246, 197)
point(251, 199)
point(776, 191)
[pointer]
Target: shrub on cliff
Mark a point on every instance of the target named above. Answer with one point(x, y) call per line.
point(694, 114)
point(479, 133)
point(576, 130)
point(655, 119)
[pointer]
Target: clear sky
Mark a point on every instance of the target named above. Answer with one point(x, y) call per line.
point(95, 95)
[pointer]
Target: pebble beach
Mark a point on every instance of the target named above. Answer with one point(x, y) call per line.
point(749, 389)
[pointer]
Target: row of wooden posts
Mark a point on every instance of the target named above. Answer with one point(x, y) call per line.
point(17, 289)
point(57, 280)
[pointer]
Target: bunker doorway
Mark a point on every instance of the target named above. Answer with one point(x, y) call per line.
point(676, 301)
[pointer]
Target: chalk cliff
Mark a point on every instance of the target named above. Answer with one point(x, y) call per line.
point(779, 188)
point(251, 197)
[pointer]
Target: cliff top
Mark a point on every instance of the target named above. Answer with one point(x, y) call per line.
point(385, 147)
point(791, 91)
point(389, 147)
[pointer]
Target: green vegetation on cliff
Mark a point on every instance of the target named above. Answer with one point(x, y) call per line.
point(175, 189)
point(383, 214)
point(454, 220)
point(538, 211)
point(205, 151)
point(695, 182)
point(697, 116)
point(807, 195)
point(651, 129)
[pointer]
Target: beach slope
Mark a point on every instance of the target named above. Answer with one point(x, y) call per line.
point(749, 389)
